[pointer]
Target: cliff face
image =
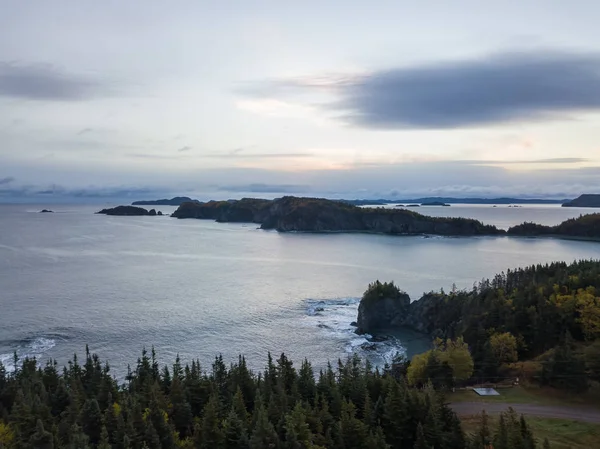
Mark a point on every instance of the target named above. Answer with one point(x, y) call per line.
point(388, 312)
point(381, 313)
point(318, 215)
point(585, 200)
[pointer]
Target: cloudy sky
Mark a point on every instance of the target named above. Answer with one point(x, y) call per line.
point(339, 98)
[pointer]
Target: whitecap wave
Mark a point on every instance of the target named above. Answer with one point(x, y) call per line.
point(333, 318)
point(27, 348)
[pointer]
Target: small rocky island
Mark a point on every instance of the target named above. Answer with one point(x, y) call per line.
point(585, 200)
point(46, 211)
point(129, 211)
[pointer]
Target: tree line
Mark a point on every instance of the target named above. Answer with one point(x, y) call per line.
point(542, 321)
point(351, 406)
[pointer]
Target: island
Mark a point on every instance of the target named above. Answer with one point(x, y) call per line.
point(129, 211)
point(454, 200)
point(435, 203)
point(585, 200)
point(46, 211)
point(290, 213)
point(175, 201)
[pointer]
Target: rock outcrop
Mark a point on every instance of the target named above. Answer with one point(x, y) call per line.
point(381, 307)
point(46, 211)
point(384, 306)
point(289, 214)
point(127, 211)
point(585, 200)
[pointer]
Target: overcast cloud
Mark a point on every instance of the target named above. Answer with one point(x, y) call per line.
point(337, 98)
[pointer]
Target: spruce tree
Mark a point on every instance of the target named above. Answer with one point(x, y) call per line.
point(78, 439)
point(297, 431)
point(91, 420)
point(210, 430)
point(104, 441)
point(263, 434)
point(41, 439)
point(352, 432)
point(151, 438)
point(181, 412)
point(234, 432)
point(420, 442)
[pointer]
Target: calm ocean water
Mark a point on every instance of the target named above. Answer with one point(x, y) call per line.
point(200, 288)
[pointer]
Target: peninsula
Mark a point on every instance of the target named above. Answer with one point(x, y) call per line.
point(586, 200)
point(321, 215)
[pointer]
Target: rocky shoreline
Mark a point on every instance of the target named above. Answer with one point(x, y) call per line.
point(384, 307)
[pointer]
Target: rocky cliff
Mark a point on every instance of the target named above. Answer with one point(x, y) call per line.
point(320, 215)
point(384, 306)
point(381, 307)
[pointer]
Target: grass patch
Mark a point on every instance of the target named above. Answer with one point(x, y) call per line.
point(531, 395)
point(561, 433)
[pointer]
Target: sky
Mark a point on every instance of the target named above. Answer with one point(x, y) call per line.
point(353, 99)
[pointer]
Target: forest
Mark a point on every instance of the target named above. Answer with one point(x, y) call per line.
point(352, 406)
point(541, 323)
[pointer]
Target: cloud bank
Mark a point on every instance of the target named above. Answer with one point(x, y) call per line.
point(45, 82)
point(458, 94)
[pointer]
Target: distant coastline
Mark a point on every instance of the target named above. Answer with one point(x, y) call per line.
point(317, 215)
point(429, 201)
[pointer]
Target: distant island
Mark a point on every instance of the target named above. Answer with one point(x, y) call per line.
point(129, 211)
point(321, 215)
point(294, 214)
point(585, 200)
point(426, 201)
point(453, 200)
point(435, 203)
point(176, 201)
point(46, 211)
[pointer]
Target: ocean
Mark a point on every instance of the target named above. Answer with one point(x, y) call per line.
point(199, 288)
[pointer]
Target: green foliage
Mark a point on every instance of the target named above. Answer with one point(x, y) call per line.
point(446, 363)
point(378, 290)
point(521, 315)
point(185, 407)
point(504, 347)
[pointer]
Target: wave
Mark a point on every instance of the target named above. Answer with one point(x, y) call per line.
point(28, 348)
point(333, 318)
